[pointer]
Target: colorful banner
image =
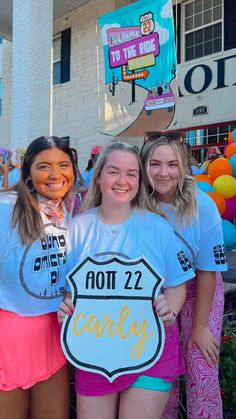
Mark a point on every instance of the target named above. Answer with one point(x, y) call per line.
point(140, 60)
point(114, 329)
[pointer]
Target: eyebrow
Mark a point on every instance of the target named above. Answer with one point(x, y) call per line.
point(117, 168)
point(168, 161)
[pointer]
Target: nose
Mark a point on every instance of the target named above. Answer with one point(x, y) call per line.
point(122, 179)
point(54, 172)
point(163, 170)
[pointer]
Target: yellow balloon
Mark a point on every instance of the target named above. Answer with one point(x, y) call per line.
point(225, 185)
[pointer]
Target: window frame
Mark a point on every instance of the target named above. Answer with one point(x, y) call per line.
point(194, 30)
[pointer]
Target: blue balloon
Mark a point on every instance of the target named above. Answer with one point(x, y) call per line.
point(229, 233)
point(205, 186)
point(232, 162)
point(234, 135)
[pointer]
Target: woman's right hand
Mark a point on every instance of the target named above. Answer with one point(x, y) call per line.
point(66, 308)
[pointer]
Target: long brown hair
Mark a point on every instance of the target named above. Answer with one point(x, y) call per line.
point(26, 215)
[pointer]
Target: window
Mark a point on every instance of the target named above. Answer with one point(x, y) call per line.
point(61, 57)
point(57, 59)
point(202, 28)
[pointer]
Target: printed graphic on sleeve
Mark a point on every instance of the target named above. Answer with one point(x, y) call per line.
point(183, 260)
point(220, 254)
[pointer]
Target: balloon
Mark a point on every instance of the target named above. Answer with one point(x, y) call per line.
point(225, 148)
point(225, 185)
point(229, 233)
point(219, 167)
point(219, 201)
point(232, 162)
point(234, 135)
point(203, 178)
point(230, 210)
point(230, 150)
point(205, 187)
point(230, 137)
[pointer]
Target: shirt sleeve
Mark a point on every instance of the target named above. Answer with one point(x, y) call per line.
point(211, 255)
point(177, 267)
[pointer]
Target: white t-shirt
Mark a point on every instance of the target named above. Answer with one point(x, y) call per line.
point(204, 235)
point(32, 278)
point(143, 234)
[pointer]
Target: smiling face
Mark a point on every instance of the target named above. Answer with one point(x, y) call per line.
point(119, 179)
point(164, 172)
point(52, 173)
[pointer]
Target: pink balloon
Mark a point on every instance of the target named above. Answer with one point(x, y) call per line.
point(230, 210)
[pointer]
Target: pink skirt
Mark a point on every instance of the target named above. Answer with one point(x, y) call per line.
point(168, 367)
point(30, 349)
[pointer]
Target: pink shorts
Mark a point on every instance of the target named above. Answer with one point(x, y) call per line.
point(168, 367)
point(30, 349)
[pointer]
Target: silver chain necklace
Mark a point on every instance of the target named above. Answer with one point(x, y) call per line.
point(115, 228)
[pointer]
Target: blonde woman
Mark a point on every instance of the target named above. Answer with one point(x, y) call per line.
point(115, 221)
point(197, 225)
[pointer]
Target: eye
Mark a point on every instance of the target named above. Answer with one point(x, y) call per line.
point(173, 165)
point(112, 172)
point(43, 167)
point(134, 175)
point(65, 164)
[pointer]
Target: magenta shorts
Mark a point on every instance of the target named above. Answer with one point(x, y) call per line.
point(168, 367)
point(30, 349)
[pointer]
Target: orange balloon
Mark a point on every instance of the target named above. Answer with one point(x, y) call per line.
point(230, 150)
point(219, 201)
point(203, 178)
point(230, 138)
point(219, 167)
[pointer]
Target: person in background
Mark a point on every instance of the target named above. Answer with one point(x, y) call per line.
point(88, 172)
point(33, 224)
point(197, 225)
point(115, 221)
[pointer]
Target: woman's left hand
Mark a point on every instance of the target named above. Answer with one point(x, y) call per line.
point(202, 337)
point(163, 310)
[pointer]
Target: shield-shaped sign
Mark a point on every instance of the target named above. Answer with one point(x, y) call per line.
point(114, 329)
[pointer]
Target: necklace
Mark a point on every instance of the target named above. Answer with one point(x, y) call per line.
point(115, 228)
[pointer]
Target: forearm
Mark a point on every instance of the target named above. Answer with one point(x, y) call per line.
point(176, 297)
point(205, 291)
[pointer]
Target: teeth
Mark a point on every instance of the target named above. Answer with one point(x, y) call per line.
point(55, 185)
point(120, 190)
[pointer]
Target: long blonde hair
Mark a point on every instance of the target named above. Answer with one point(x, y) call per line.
point(184, 200)
point(94, 195)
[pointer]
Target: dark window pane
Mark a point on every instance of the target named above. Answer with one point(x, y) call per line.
point(217, 2)
point(207, 4)
point(208, 48)
point(217, 13)
point(189, 54)
point(207, 17)
point(198, 51)
point(189, 39)
point(57, 73)
point(217, 45)
point(189, 9)
point(197, 20)
point(199, 36)
point(208, 33)
point(217, 30)
point(189, 24)
point(197, 6)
